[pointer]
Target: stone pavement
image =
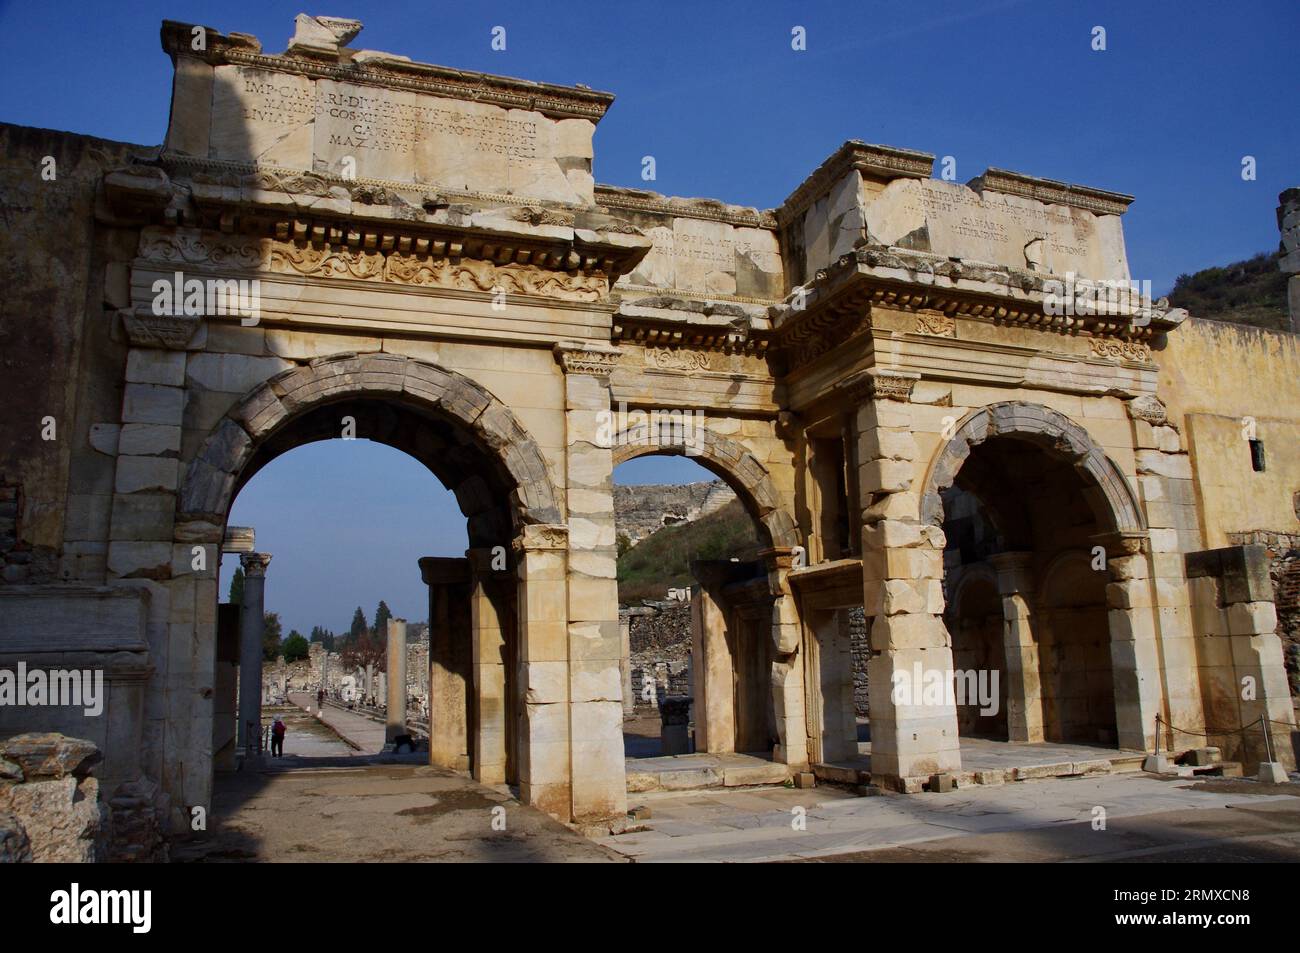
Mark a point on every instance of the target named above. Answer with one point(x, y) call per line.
point(375, 812)
point(758, 825)
point(364, 735)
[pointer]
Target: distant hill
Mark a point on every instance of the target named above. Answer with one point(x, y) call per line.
point(1248, 292)
point(661, 561)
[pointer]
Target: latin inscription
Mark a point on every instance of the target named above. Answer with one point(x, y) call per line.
point(378, 123)
point(965, 214)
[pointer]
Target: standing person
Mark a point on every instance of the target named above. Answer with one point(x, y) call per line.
point(277, 739)
point(320, 698)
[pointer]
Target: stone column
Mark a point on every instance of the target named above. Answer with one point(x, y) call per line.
point(450, 635)
point(787, 668)
point(251, 623)
point(492, 667)
point(595, 647)
point(396, 681)
point(1020, 648)
point(902, 568)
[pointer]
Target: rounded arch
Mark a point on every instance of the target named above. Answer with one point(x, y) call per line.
point(731, 461)
point(484, 445)
point(1108, 491)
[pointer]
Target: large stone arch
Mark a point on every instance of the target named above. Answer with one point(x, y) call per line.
point(214, 475)
point(1108, 491)
point(731, 461)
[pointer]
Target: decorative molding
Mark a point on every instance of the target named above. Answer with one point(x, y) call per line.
point(171, 331)
point(882, 162)
point(254, 563)
point(1119, 349)
point(541, 537)
point(877, 383)
point(678, 359)
point(1149, 408)
point(936, 324)
point(592, 359)
point(395, 267)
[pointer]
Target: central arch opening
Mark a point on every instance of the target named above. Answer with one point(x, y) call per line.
point(1026, 597)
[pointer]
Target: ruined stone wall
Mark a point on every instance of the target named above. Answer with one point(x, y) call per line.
point(641, 510)
point(660, 637)
point(60, 358)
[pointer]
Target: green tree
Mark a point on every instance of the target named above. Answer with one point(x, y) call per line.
point(382, 615)
point(271, 634)
point(295, 647)
point(237, 587)
point(359, 626)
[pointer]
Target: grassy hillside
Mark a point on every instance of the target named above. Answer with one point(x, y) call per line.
point(662, 560)
point(1248, 292)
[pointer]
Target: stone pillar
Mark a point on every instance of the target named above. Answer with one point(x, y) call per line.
point(711, 659)
point(544, 770)
point(1020, 648)
point(492, 668)
point(396, 681)
point(450, 637)
point(787, 668)
point(902, 568)
point(1134, 651)
point(251, 623)
point(594, 645)
point(1256, 673)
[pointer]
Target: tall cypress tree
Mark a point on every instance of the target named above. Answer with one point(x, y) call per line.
point(237, 587)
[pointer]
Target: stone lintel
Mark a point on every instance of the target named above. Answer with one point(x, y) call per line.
point(239, 539)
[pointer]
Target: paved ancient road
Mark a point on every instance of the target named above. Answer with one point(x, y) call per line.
point(324, 801)
point(1146, 819)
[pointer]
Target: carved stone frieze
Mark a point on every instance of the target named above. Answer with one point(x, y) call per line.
point(1118, 349)
point(677, 359)
point(330, 261)
point(592, 359)
point(172, 331)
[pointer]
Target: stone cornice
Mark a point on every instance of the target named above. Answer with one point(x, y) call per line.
point(879, 162)
point(946, 289)
point(369, 213)
point(723, 338)
point(390, 72)
point(1053, 192)
point(713, 210)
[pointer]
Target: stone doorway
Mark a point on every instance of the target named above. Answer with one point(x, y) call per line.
point(1025, 581)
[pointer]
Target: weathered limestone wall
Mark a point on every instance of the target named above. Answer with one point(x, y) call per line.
point(1223, 384)
point(60, 359)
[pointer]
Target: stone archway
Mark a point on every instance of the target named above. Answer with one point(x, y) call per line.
point(731, 461)
point(727, 638)
point(1110, 494)
point(474, 444)
point(1081, 510)
point(211, 479)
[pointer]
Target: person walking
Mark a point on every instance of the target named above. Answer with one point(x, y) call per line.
point(277, 738)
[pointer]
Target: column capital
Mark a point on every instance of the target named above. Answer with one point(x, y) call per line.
point(255, 563)
point(879, 383)
point(443, 570)
point(1123, 543)
point(538, 537)
point(594, 360)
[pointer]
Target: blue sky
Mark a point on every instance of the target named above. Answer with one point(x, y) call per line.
point(714, 92)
